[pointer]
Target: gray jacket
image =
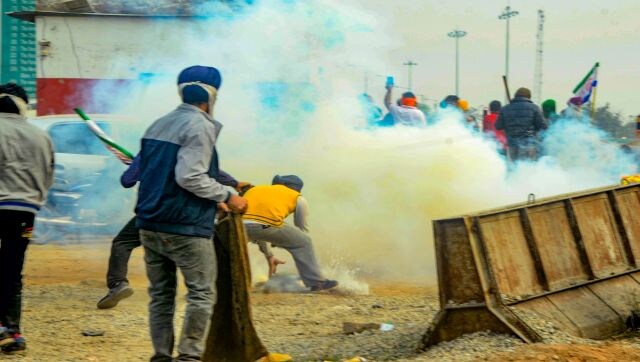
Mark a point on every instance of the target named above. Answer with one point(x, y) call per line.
point(26, 164)
point(521, 119)
point(178, 191)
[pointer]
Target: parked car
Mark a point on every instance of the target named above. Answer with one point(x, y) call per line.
point(86, 198)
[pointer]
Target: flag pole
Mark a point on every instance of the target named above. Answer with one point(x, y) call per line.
point(506, 88)
point(595, 94)
point(593, 104)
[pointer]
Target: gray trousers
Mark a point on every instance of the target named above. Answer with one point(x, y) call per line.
point(525, 149)
point(195, 257)
point(121, 247)
point(295, 242)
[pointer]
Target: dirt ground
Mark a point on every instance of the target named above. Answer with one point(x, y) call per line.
point(63, 284)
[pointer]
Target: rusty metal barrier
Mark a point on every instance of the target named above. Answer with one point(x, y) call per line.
point(571, 260)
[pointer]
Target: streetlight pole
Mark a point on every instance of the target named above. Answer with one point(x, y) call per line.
point(410, 64)
point(507, 14)
point(366, 82)
point(457, 34)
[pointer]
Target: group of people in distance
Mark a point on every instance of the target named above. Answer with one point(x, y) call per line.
point(515, 127)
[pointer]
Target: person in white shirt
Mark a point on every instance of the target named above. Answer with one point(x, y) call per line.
point(407, 112)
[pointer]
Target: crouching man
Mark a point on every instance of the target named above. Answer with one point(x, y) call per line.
point(269, 206)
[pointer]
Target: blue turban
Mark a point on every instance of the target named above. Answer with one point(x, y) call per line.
point(291, 181)
point(198, 73)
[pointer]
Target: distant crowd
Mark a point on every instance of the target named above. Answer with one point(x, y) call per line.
point(515, 126)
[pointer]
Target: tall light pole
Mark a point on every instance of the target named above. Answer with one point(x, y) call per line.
point(457, 34)
point(507, 14)
point(366, 76)
point(410, 64)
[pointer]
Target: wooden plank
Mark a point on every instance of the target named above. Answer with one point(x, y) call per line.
point(594, 318)
point(618, 293)
point(547, 310)
point(577, 238)
point(600, 235)
point(628, 207)
point(533, 249)
point(457, 275)
point(622, 232)
point(509, 257)
point(556, 246)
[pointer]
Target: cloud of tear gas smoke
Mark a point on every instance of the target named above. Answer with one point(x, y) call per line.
point(289, 105)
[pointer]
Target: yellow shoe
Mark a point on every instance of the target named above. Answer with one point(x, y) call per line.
point(276, 357)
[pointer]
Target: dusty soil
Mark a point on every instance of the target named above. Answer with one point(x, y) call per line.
point(63, 283)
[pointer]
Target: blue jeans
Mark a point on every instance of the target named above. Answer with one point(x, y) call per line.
point(195, 256)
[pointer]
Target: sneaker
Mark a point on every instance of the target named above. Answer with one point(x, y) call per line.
point(5, 336)
point(122, 291)
point(17, 344)
point(324, 285)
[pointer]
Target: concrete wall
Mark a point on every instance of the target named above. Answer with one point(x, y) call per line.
point(78, 54)
point(135, 6)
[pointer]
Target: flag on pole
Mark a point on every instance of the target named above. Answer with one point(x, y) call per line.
point(585, 88)
point(120, 152)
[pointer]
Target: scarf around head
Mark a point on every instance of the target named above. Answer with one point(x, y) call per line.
point(409, 102)
point(211, 91)
point(19, 102)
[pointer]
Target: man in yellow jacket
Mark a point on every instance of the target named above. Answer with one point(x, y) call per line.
point(268, 207)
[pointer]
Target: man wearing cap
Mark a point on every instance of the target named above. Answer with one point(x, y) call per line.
point(522, 121)
point(26, 173)
point(407, 113)
point(549, 111)
point(177, 200)
point(269, 206)
point(469, 119)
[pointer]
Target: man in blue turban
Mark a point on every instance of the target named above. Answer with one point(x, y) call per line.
point(177, 200)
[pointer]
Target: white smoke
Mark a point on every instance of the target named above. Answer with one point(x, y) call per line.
point(289, 105)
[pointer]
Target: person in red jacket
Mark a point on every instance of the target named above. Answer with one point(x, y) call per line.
point(489, 125)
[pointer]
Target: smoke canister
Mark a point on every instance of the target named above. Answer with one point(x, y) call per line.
point(389, 81)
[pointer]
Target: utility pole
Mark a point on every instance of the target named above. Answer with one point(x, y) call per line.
point(537, 77)
point(507, 14)
point(410, 64)
point(457, 34)
point(366, 82)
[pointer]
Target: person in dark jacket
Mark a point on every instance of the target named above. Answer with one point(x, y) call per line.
point(178, 197)
point(129, 238)
point(522, 121)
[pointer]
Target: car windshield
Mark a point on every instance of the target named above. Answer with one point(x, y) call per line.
point(76, 138)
